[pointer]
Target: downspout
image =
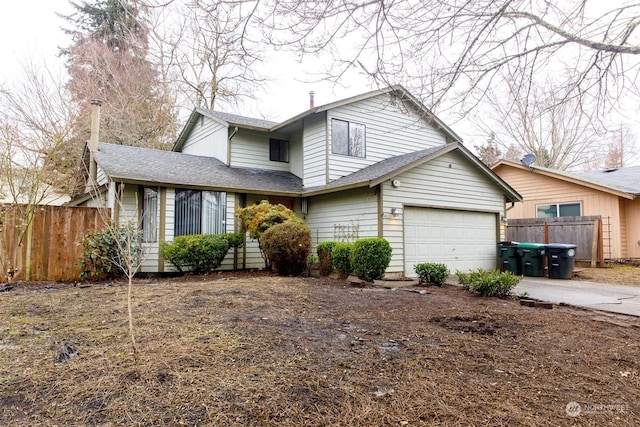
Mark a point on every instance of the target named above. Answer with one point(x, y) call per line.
point(233, 133)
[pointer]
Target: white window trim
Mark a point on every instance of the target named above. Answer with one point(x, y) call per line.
point(557, 205)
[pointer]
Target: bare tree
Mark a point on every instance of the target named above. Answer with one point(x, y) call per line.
point(136, 108)
point(620, 148)
point(35, 127)
point(560, 132)
point(119, 245)
point(456, 49)
point(210, 49)
point(108, 60)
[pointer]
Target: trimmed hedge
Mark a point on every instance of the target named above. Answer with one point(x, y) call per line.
point(199, 252)
point(370, 258)
point(341, 258)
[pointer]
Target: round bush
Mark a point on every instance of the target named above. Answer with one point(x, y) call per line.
point(199, 252)
point(370, 258)
point(287, 246)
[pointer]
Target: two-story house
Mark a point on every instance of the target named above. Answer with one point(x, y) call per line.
point(375, 165)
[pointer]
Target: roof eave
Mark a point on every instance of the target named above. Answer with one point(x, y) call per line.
point(577, 181)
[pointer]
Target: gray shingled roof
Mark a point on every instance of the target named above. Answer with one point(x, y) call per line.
point(380, 169)
point(145, 165)
point(170, 167)
point(242, 120)
point(136, 164)
point(624, 179)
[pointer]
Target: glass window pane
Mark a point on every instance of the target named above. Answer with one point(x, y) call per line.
point(570, 209)
point(150, 215)
point(213, 212)
point(547, 211)
point(188, 212)
point(356, 139)
point(339, 137)
point(278, 150)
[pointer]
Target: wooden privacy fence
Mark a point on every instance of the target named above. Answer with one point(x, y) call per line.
point(583, 231)
point(47, 247)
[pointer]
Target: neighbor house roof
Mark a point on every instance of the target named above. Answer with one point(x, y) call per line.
point(269, 126)
point(626, 185)
point(144, 166)
point(626, 179)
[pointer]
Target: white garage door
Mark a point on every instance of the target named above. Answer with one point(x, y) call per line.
point(462, 240)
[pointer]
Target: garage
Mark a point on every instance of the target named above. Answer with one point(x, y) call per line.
point(463, 240)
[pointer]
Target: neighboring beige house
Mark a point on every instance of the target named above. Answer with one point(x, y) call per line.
point(375, 165)
point(46, 195)
point(612, 194)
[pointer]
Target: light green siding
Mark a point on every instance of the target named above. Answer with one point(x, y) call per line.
point(449, 182)
point(208, 138)
point(392, 128)
point(315, 151)
point(296, 155)
point(344, 216)
point(250, 149)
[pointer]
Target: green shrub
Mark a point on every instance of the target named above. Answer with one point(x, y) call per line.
point(324, 257)
point(341, 258)
point(432, 273)
point(287, 246)
point(104, 252)
point(370, 258)
point(488, 283)
point(233, 239)
point(199, 252)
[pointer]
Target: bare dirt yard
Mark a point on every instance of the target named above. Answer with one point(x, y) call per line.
point(259, 350)
point(619, 274)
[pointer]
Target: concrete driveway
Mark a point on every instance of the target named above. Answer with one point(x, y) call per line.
point(600, 296)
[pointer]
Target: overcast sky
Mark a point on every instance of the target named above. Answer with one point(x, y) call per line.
point(31, 29)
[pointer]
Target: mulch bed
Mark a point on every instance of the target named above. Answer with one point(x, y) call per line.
point(255, 349)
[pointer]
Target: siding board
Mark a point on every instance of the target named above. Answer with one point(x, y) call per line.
point(208, 139)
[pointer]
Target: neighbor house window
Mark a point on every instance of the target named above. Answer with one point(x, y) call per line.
point(149, 214)
point(347, 138)
point(559, 209)
point(200, 212)
point(278, 150)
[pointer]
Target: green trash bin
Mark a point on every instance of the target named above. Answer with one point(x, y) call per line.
point(509, 258)
point(532, 259)
point(561, 259)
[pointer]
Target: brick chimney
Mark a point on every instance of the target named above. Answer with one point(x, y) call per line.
point(93, 141)
point(311, 101)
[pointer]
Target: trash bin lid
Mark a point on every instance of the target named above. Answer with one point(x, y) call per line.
point(527, 245)
point(561, 246)
point(508, 243)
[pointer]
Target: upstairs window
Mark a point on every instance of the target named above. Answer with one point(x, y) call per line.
point(347, 138)
point(278, 150)
point(200, 212)
point(558, 209)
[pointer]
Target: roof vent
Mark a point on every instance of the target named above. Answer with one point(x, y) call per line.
point(610, 170)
